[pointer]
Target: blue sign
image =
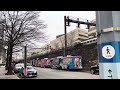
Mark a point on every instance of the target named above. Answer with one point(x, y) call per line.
point(109, 52)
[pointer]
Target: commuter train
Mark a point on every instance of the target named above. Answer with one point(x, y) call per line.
point(66, 63)
point(90, 41)
point(71, 62)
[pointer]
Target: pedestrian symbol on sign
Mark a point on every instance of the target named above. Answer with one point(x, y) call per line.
point(108, 50)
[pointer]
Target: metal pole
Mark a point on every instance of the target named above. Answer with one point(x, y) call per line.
point(25, 59)
point(65, 36)
point(108, 29)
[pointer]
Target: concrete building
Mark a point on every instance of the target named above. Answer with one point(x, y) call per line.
point(75, 36)
point(92, 33)
point(2, 50)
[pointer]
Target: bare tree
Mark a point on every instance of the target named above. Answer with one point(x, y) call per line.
point(1, 35)
point(1, 39)
point(20, 28)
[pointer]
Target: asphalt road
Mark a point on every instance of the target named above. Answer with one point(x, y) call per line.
point(47, 73)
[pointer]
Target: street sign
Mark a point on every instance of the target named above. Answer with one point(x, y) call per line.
point(108, 51)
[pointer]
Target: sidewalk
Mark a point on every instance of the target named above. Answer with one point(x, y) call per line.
point(3, 76)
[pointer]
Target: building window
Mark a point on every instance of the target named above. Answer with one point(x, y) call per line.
point(87, 41)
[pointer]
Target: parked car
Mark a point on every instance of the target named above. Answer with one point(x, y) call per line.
point(94, 69)
point(18, 67)
point(31, 72)
point(29, 64)
point(54, 63)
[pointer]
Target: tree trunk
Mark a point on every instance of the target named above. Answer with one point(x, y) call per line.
point(10, 70)
point(7, 60)
point(6, 66)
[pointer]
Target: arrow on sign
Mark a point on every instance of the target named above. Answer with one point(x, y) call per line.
point(109, 71)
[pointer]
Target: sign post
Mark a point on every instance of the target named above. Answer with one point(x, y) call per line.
point(108, 30)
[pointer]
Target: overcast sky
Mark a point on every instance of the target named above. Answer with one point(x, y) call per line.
point(55, 21)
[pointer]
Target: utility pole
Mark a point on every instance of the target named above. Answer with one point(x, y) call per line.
point(65, 36)
point(25, 60)
point(67, 21)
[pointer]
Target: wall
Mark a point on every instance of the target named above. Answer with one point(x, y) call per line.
point(90, 55)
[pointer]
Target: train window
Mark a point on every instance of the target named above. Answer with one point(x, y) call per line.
point(94, 40)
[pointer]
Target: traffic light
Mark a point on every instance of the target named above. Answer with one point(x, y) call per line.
point(88, 26)
point(78, 23)
point(67, 21)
